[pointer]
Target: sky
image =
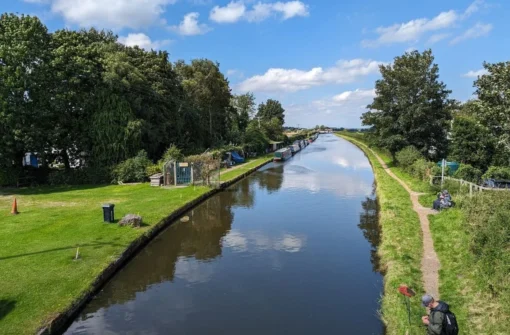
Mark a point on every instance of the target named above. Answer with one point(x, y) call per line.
point(319, 58)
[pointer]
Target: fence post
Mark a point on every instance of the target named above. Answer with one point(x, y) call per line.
point(175, 173)
point(192, 182)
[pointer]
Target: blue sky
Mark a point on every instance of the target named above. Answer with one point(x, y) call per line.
point(319, 58)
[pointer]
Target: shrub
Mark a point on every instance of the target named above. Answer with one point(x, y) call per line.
point(469, 173)
point(421, 169)
point(8, 176)
point(172, 153)
point(497, 172)
point(80, 176)
point(153, 169)
point(407, 156)
point(132, 169)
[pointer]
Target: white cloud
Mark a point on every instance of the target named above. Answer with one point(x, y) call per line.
point(237, 10)
point(354, 95)
point(437, 37)
point(478, 30)
point(475, 74)
point(291, 80)
point(232, 12)
point(189, 26)
point(474, 7)
point(143, 41)
point(413, 30)
point(116, 14)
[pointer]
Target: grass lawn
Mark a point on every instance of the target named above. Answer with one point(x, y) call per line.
point(400, 252)
point(227, 174)
point(39, 277)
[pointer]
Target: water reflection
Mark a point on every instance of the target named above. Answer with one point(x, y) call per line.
point(283, 251)
point(369, 225)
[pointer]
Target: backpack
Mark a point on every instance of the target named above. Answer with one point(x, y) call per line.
point(450, 326)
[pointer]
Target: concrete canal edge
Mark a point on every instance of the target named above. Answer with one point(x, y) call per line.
point(57, 325)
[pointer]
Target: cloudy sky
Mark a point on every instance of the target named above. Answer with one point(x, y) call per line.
point(319, 58)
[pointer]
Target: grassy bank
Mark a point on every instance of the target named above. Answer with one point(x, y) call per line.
point(229, 174)
point(466, 239)
point(400, 251)
point(39, 276)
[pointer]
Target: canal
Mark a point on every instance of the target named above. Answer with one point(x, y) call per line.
point(290, 249)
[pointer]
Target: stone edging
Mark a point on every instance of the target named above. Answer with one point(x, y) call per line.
point(57, 325)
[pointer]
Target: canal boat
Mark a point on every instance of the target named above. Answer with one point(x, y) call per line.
point(296, 148)
point(282, 155)
point(292, 149)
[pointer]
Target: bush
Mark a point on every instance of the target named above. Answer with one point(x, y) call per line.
point(421, 169)
point(407, 156)
point(497, 172)
point(153, 169)
point(80, 176)
point(172, 153)
point(132, 169)
point(469, 173)
point(8, 176)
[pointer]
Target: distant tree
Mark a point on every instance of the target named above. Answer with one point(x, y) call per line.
point(271, 109)
point(494, 106)
point(411, 106)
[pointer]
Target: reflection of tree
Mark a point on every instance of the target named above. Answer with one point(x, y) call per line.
point(271, 179)
point(369, 225)
point(200, 238)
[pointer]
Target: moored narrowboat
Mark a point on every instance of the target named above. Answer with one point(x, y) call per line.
point(282, 155)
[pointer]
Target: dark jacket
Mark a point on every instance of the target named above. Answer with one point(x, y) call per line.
point(436, 318)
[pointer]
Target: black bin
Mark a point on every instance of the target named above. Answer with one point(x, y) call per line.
point(108, 213)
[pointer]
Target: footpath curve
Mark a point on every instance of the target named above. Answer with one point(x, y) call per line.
point(430, 262)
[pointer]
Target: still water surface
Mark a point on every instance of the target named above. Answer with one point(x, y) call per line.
point(289, 250)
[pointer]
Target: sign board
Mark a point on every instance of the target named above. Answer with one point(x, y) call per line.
point(183, 164)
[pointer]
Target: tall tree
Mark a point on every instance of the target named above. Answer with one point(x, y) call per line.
point(411, 106)
point(493, 90)
point(244, 105)
point(77, 80)
point(208, 93)
point(271, 109)
point(24, 58)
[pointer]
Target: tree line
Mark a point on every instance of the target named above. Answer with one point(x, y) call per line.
point(81, 99)
point(413, 108)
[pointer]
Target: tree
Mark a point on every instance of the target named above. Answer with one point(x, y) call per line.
point(208, 93)
point(471, 143)
point(493, 91)
point(244, 105)
point(411, 106)
point(271, 109)
point(24, 58)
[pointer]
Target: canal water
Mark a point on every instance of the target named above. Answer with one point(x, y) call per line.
point(289, 250)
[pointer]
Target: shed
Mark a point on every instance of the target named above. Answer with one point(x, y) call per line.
point(156, 179)
point(275, 145)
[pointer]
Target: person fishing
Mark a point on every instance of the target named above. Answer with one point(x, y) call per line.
point(440, 320)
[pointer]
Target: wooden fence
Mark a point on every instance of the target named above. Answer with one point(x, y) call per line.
point(472, 186)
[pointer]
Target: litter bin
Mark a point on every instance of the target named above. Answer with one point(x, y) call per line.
point(108, 213)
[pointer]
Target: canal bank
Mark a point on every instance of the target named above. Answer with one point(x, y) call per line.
point(58, 323)
point(400, 250)
point(291, 248)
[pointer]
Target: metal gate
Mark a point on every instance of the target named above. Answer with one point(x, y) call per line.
point(183, 173)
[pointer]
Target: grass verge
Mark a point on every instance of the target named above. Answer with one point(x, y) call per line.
point(400, 251)
point(39, 276)
point(227, 175)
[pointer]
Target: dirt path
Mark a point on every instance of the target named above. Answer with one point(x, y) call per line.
point(429, 263)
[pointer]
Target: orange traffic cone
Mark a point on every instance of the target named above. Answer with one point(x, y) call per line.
point(14, 210)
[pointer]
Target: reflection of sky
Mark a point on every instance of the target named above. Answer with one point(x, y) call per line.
point(193, 271)
point(340, 168)
point(255, 241)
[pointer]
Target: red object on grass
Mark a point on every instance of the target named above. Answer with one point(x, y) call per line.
point(403, 289)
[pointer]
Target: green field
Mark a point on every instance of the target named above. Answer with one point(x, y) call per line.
point(226, 174)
